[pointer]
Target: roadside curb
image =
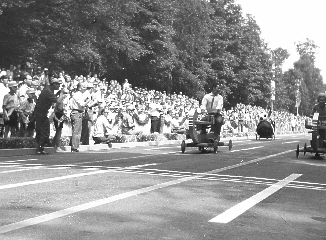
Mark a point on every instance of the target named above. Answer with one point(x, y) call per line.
point(99, 147)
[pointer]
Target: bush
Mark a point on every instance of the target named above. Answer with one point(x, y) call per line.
point(21, 142)
point(18, 142)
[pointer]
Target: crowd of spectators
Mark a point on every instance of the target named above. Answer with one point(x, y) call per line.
point(121, 108)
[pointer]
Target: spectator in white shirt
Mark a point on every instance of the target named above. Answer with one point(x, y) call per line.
point(103, 129)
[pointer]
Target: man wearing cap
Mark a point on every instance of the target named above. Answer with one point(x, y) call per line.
point(45, 101)
point(26, 119)
point(10, 107)
point(212, 103)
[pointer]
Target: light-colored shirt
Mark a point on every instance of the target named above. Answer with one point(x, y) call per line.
point(78, 100)
point(101, 127)
point(155, 109)
point(212, 103)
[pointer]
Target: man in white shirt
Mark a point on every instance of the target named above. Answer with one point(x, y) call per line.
point(155, 112)
point(212, 103)
point(102, 129)
point(79, 102)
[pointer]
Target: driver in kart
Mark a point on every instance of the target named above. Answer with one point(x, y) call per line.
point(212, 103)
point(321, 110)
point(320, 106)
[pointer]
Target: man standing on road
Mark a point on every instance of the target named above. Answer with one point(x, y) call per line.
point(45, 101)
point(212, 103)
point(79, 103)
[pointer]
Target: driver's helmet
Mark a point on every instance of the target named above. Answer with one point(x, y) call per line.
point(321, 98)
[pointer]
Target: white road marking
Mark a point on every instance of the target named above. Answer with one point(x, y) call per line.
point(9, 163)
point(246, 149)
point(14, 185)
point(310, 164)
point(242, 207)
point(158, 148)
point(96, 203)
point(290, 142)
point(18, 170)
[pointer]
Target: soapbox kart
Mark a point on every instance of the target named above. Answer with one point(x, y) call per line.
point(203, 140)
point(265, 129)
point(317, 125)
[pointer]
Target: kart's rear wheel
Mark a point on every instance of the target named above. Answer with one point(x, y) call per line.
point(230, 145)
point(305, 149)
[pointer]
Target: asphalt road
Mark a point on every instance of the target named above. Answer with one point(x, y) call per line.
point(258, 190)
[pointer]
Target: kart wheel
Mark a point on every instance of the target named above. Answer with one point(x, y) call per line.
point(183, 146)
point(305, 149)
point(230, 145)
point(256, 137)
point(215, 146)
point(297, 152)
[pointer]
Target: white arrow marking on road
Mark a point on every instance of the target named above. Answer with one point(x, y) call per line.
point(242, 207)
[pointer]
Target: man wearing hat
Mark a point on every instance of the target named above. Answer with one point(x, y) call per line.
point(212, 103)
point(26, 119)
point(46, 100)
point(10, 107)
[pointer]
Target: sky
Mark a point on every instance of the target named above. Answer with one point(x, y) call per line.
point(284, 22)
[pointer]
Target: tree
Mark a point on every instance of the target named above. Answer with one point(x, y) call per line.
point(239, 56)
point(311, 81)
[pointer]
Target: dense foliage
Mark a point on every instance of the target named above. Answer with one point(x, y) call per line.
point(174, 45)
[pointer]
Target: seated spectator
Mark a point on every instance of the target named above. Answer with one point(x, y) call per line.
point(128, 123)
point(102, 129)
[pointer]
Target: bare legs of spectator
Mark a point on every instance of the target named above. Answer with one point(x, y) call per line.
point(56, 142)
